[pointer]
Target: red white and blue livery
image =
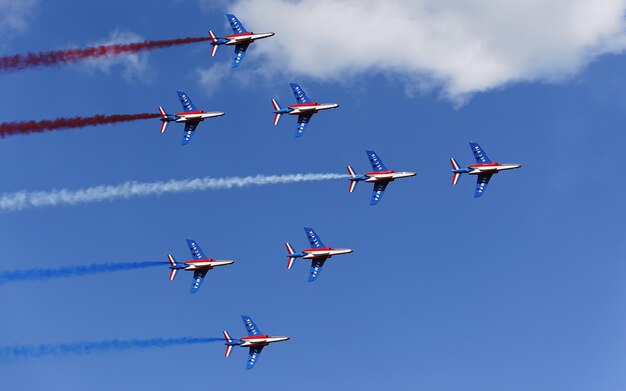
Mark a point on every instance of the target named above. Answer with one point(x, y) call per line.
point(199, 265)
point(318, 253)
point(484, 169)
point(190, 116)
point(241, 39)
point(255, 340)
point(304, 109)
point(379, 175)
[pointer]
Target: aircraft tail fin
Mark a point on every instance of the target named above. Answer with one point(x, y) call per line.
point(276, 115)
point(173, 263)
point(214, 46)
point(164, 121)
point(455, 167)
point(228, 347)
point(289, 259)
point(276, 118)
point(353, 183)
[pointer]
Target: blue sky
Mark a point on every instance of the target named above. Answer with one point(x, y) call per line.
point(521, 289)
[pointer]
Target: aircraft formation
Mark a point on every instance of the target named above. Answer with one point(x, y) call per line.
point(318, 253)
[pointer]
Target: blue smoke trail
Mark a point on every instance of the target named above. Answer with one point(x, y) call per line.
point(8, 353)
point(71, 271)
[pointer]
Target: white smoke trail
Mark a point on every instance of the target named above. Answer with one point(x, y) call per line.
point(36, 199)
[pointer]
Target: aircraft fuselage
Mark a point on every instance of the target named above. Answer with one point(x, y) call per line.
point(236, 39)
point(196, 116)
point(387, 176)
point(310, 108)
point(324, 252)
point(260, 340)
point(207, 263)
point(490, 168)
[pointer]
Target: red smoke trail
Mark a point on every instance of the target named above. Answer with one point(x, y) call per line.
point(13, 128)
point(31, 60)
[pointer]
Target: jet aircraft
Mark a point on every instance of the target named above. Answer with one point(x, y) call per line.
point(191, 117)
point(255, 340)
point(304, 109)
point(484, 168)
point(318, 253)
point(200, 265)
point(380, 176)
point(241, 38)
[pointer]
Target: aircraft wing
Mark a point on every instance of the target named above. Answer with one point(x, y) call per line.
point(303, 121)
point(190, 128)
point(240, 50)
point(481, 184)
point(316, 268)
point(314, 239)
point(235, 24)
point(196, 251)
point(375, 161)
point(185, 101)
point(198, 277)
point(250, 326)
point(479, 154)
point(186, 137)
point(253, 356)
point(379, 189)
point(299, 93)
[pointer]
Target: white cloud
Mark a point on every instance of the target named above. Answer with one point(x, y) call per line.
point(135, 65)
point(213, 77)
point(459, 46)
point(14, 16)
point(220, 74)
